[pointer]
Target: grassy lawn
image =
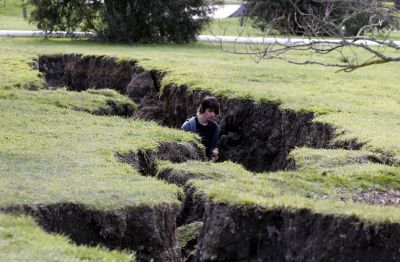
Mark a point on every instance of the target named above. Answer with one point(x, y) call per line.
point(21, 239)
point(53, 149)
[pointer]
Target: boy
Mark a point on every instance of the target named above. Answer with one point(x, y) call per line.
point(204, 125)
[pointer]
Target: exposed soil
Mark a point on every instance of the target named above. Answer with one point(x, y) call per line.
point(377, 197)
point(175, 152)
point(79, 73)
point(116, 109)
point(150, 231)
point(250, 234)
point(232, 233)
point(192, 209)
point(258, 136)
point(193, 202)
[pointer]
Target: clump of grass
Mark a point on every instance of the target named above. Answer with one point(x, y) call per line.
point(309, 158)
point(188, 232)
point(90, 101)
point(21, 239)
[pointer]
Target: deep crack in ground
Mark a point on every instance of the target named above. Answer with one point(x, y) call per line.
point(257, 135)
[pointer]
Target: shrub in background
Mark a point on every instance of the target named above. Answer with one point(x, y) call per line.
point(176, 21)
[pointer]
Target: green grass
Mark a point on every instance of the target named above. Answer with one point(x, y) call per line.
point(188, 232)
point(231, 27)
point(53, 150)
point(11, 18)
point(309, 159)
point(21, 239)
point(88, 101)
point(317, 190)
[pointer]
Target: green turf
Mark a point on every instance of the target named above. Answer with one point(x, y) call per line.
point(21, 239)
point(319, 190)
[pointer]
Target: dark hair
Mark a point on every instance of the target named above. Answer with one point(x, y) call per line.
point(209, 102)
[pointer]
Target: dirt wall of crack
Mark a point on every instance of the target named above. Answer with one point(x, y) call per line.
point(149, 231)
point(233, 234)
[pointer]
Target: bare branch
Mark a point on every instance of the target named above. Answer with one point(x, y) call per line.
point(346, 28)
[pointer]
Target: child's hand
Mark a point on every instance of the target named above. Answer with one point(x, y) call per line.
point(215, 155)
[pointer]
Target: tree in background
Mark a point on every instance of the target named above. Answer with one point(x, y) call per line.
point(335, 18)
point(127, 21)
point(358, 30)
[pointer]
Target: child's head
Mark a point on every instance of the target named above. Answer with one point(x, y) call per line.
point(210, 103)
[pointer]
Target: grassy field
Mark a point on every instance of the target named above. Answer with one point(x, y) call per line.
point(51, 139)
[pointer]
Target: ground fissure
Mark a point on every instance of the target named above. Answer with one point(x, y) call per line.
point(259, 136)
